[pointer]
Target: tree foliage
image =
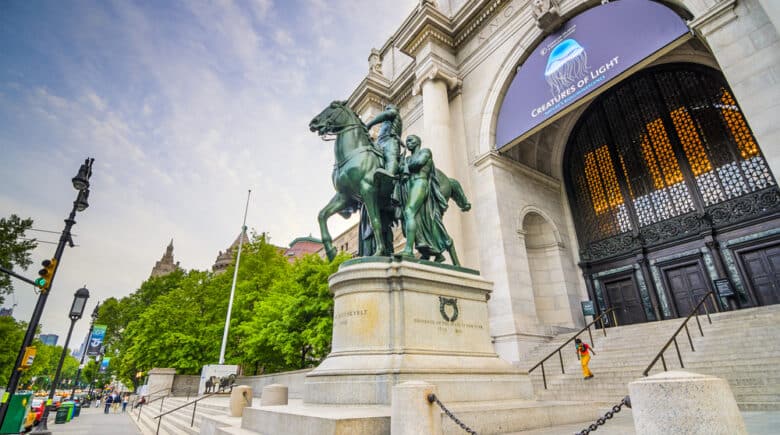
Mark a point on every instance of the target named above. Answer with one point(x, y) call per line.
point(281, 317)
point(11, 336)
point(14, 249)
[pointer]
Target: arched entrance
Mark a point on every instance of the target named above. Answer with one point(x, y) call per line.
point(663, 171)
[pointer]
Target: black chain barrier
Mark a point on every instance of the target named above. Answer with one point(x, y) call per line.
point(615, 409)
point(432, 398)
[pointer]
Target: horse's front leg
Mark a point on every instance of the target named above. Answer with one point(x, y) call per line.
point(369, 194)
point(338, 202)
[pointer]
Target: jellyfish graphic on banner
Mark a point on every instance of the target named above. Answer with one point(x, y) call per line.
point(567, 63)
point(104, 365)
point(96, 340)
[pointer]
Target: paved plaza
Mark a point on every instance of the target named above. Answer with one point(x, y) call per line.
point(93, 421)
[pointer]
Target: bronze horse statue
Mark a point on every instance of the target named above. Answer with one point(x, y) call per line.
point(357, 159)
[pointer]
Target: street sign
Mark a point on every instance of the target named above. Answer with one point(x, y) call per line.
point(724, 288)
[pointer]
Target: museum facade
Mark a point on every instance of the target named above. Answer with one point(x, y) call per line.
point(619, 152)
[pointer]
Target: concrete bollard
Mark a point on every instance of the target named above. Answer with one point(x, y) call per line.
point(411, 413)
point(273, 395)
point(240, 397)
point(684, 402)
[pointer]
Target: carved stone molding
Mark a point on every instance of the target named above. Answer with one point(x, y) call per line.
point(375, 62)
point(547, 14)
point(432, 70)
point(720, 14)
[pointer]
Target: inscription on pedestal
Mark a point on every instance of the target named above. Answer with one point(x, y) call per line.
point(344, 317)
point(446, 326)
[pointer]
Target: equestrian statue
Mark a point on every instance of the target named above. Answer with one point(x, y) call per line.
point(387, 186)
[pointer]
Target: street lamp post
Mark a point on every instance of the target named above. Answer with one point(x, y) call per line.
point(76, 311)
point(81, 184)
point(86, 346)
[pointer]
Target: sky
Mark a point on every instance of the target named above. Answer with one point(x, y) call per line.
point(184, 105)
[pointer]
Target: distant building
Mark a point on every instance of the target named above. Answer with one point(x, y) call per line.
point(166, 264)
point(49, 339)
point(302, 246)
point(348, 241)
point(225, 259)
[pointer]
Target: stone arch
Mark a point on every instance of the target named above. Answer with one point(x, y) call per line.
point(549, 268)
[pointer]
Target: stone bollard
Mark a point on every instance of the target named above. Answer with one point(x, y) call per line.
point(273, 395)
point(240, 397)
point(411, 413)
point(684, 402)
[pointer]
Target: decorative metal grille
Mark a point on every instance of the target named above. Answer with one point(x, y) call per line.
point(667, 142)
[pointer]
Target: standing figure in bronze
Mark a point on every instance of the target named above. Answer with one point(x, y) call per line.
point(365, 178)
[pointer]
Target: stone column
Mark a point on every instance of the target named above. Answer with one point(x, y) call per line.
point(435, 85)
point(411, 413)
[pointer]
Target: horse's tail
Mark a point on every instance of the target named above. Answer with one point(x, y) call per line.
point(459, 196)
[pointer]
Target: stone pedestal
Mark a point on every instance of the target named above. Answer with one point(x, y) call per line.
point(214, 372)
point(160, 382)
point(399, 321)
point(399, 326)
point(240, 398)
point(684, 402)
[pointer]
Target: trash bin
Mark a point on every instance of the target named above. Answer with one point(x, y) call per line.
point(69, 405)
point(76, 409)
point(17, 410)
point(62, 414)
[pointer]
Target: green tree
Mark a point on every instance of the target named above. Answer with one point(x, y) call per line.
point(292, 327)
point(14, 249)
point(11, 336)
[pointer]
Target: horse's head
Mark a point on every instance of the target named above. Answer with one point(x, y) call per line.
point(332, 119)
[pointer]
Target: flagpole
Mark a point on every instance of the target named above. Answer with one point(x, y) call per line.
point(233, 287)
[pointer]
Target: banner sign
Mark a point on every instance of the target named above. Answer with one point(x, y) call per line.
point(583, 55)
point(96, 340)
point(104, 365)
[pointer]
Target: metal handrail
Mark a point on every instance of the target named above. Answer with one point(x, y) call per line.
point(141, 406)
point(194, 408)
point(694, 312)
point(558, 350)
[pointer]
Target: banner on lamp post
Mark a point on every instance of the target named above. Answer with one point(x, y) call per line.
point(104, 365)
point(96, 340)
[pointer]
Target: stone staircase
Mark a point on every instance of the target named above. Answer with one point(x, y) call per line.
point(739, 346)
point(178, 422)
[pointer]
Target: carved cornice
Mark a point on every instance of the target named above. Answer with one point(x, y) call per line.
point(427, 24)
point(470, 20)
point(493, 158)
point(374, 89)
point(716, 17)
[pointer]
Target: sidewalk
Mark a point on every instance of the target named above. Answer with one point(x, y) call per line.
point(92, 421)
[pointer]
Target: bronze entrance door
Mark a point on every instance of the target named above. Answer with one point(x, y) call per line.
point(762, 267)
point(623, 296)
point(687, 285)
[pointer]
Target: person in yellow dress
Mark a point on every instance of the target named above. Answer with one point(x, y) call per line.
point(584, 351)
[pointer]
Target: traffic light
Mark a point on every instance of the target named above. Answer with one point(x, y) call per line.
point(46, 274)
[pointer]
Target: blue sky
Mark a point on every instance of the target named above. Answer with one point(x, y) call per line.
point(184, 105)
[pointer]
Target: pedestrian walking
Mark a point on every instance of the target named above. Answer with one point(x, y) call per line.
point(115, 403)
point(109, 402)
point(124, 402)
point(584, 351)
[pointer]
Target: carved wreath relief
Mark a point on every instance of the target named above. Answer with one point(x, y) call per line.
point(448, 304)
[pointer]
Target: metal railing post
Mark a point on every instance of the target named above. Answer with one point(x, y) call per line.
point(614, 318)
point(560, 356)
point(544, 377)
point(689, 338)
point(159, 420)
point(699, 323)
point(194, 407)
point(590, 335)
point(603, 328)
point(679, 357)
point(161, 403)
point(140, 408)
point(663, 361)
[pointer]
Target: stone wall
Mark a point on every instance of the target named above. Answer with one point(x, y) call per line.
point(185, 385)
point(292, 380)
